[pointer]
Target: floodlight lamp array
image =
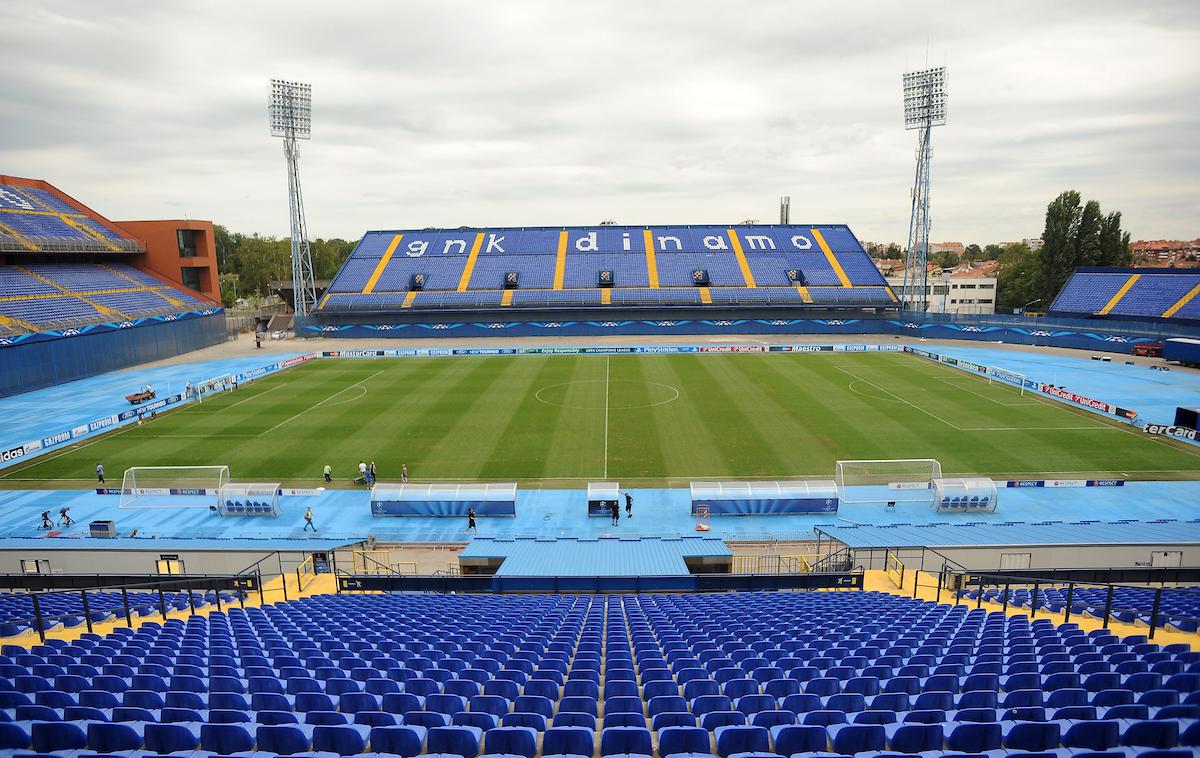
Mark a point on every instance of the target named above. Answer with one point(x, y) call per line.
point(290, 109)
point(925, 98)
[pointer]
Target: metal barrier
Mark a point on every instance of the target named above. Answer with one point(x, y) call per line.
point(681, 583)
point(40, 586)
point(974, 586)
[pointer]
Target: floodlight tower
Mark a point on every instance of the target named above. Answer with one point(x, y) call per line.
point(290, 111)
point(785, 210)
point(924, 108)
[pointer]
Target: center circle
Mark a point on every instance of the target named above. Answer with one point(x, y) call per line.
point(557, 395)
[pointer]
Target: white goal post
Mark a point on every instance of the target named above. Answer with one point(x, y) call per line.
point(173, 486)
point(886, 480)
point(1004, 376)
point(202, 389)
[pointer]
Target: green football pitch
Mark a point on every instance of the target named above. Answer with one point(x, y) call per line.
point(642, 420)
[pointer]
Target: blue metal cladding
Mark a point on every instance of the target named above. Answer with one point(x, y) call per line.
point(33, 361)
point(1102, 336)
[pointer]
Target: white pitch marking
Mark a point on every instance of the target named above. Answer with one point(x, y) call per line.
point(897, 397)
point(322, 402)
point(607, 363)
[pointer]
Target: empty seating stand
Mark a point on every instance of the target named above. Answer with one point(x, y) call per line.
point(56, 295)
point(731, 674)
point(468, 269)
point(1144, 293)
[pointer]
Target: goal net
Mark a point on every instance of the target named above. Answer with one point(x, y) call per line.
point(203, 389)
point(883, 481)
point(173, 486)
point(1004, 376)
point(248, 499)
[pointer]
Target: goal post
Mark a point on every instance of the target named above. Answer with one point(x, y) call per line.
point(173, 486)
point(206, 387)
point(1004, 376)
point(886, 480)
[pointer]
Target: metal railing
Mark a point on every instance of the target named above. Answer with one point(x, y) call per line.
point(42, 586)
point(1034, 592)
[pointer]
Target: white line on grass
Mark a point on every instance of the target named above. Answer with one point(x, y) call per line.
point(955, 383)
point(322, 402)
point(607, 362)
point(897, 397)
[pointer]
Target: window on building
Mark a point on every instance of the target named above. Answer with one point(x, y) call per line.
point(985, 301)
point(941, 290)
point(190, 277)
point(966, 286)
point(187, 242)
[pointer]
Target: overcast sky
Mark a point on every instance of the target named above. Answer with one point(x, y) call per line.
point(549, 113)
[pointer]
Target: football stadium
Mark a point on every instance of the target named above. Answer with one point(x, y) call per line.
point(677, 490)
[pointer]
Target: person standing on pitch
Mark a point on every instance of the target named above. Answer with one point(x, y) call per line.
point(328, 473)
point(362, 470)
point(616, 513)
point(404, 472)
point(100, 473)
point(308, 519)
point(371, 471)
point(471, 521)
point(628, 505)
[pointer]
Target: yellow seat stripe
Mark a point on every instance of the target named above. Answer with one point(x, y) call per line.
point(379, 267)
point(804, 296)
point(606, 296)
point(1112, 303)
point(705, 296)
point(506, 298)
point(651, 263)
point(891, 294)
point(408, 299)
point(1168, 313)
point(560, 263)
point(833, 261)
point(467, 269)
point(743, 264)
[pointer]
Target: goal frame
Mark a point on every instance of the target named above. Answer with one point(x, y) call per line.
point(1005, 377)
point(897, 485)
point(189, 488)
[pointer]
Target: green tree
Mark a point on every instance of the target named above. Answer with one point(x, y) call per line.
point(1114, 243)
point(1077, 235)
point(1059, 243)
point(229, 294)
point(973, 253)
point(992, 252)
point(1016, 283)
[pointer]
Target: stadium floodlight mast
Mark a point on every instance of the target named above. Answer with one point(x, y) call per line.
point(924, 108)
point(290, 112)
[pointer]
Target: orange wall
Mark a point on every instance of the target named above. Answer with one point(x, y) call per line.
point(162, 251)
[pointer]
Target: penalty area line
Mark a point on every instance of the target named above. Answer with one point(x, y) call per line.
point(318, 404)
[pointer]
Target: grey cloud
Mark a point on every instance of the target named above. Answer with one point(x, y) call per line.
point(450, 113)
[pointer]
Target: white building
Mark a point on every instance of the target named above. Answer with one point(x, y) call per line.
point(966, 289)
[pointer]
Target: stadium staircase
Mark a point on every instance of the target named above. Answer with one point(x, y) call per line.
point(865, 674)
